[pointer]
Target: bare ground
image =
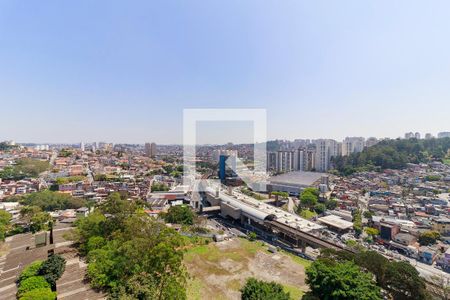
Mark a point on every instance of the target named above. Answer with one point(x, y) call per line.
point(219, 270)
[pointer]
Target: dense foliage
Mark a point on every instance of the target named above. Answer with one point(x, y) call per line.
point(35, 218)
point(48, 201)
point(399, 279)
point(24, 168)
point(257, 289)
point(31, 270)
point(52, 269)
point(159, 187)
point(41, 294)
point(31, 283)
point(180, 214)
point(428, 238)
point(393, 154)
point(330, 280)
point(5, 218)
point(130, 254)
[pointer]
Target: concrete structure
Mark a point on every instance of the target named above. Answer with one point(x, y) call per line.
point(352, 145)
point(325, 150)
point(293, 182)
point(336, 223)
point(443, 135)
point(150, 149)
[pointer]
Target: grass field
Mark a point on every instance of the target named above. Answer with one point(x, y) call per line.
point(447, 161)
point(219, 270)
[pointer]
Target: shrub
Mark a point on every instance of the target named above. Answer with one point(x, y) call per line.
point(256, 289)
point(53, 268)
point(31, 283)
point(41, 294)
point(31, 270)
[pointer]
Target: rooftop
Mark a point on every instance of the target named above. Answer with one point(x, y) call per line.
point(297, 178)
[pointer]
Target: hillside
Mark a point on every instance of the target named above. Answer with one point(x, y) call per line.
point(393, 154)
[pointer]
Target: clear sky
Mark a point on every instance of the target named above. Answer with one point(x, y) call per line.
point(123, 71)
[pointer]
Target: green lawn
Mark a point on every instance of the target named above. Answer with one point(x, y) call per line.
point(447, 161)
point(294, 292)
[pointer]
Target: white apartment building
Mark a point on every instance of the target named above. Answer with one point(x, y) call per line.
point(325, 150)
point(352, 145)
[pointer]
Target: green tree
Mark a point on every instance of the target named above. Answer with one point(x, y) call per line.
point(31, 283)
point(40, 293)
point(308, 199)
point(258, 290)
point(48, 201)
point(180, 214)
point(5, 218)
point(372, 231)
point(331, 204)
point(330, 280)
point(429, 238)
point(52, 269)
point(375, 263)
point(403, 282)
point(31, 270)
point(357, 222)
point(320, 208)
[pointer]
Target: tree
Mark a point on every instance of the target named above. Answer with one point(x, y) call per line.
point(31, 283)
point(52, 269)
point(48, 201)
point(252, 236)
point(403, 282)
point(375, 263)
point(40, 293)
point(330, 280)
point(130, 254)
point(331, 204)
point(257, 290)
point(180, 214)
point(320, 208)
point(31, 270)
point(159, 187)
point(357, 222)
point(5, 218)
point(429, 238)
point(372, 231)
point(308, 199)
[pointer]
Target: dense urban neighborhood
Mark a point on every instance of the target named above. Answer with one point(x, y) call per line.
point(117, 220)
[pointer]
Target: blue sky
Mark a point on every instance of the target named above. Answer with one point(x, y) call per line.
point(123, 71)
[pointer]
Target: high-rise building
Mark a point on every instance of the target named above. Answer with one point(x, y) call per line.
point(428, 136)
point(82, 146)
point(417, 135)
point(409, 135)
point(442, 135)
point(352, 145)
point(150, 149)
point(325, 150)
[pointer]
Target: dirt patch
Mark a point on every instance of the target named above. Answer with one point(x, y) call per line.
point(219, 270)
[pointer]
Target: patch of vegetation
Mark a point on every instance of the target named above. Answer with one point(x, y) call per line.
point(293, 291)
point(179, 214)
point(5, 218)
point(258, 289)
point(24, 168)
point(131, 255)
point(48, 201)
point(307, 214)
point(252, 194)
point(70, 179)
point(393, 154)
point(159, 187)
point(339, 273)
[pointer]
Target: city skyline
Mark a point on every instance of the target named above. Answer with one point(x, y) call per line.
point(124, 73)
